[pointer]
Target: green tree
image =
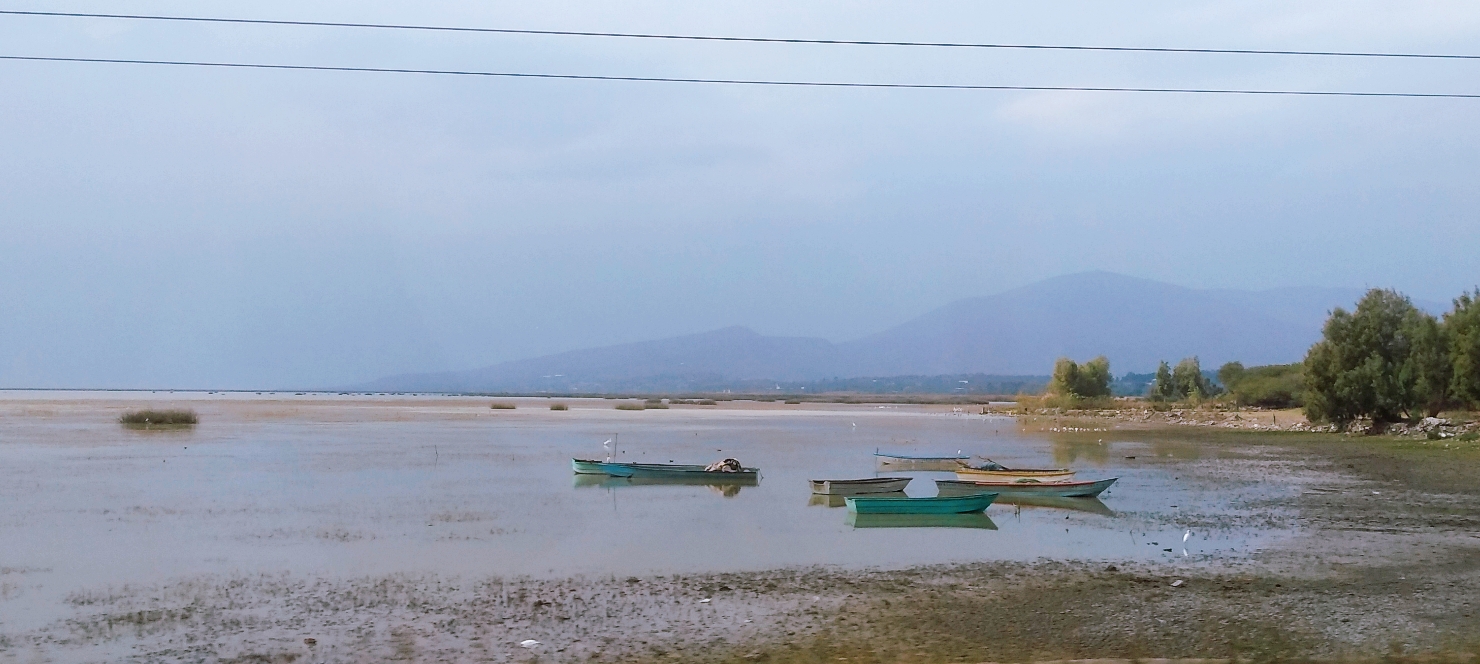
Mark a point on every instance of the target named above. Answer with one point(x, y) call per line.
point(1189, 382)
point(1375, 362)
point(1070, 379)
point(1230, 373)
point(1162, 388)
point(1462, 327)
point(1429, 368)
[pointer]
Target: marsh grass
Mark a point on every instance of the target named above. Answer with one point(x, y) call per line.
point(159, 418)
point(631, 406)
point(559, 406)
point(501, 405)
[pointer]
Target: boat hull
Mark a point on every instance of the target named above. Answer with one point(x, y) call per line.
point(1051, 489)
point(655, 470)
point(903, 462)
point(976, 520)
point(859, 487)
point(938, 505)
point(1037, 475)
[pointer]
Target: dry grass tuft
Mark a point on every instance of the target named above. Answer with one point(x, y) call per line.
point(501, 405)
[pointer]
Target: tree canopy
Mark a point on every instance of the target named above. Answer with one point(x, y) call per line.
point(1088, 380)
point(1383, 361)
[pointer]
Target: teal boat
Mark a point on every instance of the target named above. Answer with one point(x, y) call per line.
point(905, 505)
point(976, 520)
point(657, 470)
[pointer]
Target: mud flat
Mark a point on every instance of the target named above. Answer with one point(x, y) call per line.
point(304, 528)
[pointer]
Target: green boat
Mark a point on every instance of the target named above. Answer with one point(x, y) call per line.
point(976, 520)
point(906, 505)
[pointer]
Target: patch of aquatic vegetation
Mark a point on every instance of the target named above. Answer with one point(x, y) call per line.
point(159, 418)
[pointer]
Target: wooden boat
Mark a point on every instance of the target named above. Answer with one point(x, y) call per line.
point(939, 505)
point(907, 462)
point(627, 469)
point(859, 487)
point(721, 480)
point(972, 520)
point(968, 473)
point(1056, 489)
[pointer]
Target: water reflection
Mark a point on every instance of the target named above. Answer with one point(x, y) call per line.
point(1067, 451)
point(840, 501)
point(723, 484)
point(1091, 505)
point(977, 520)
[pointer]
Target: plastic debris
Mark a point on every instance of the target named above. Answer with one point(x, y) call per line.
point(529, 643)
point(1178, 583)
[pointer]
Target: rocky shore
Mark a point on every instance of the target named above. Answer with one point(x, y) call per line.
point(1249, 419)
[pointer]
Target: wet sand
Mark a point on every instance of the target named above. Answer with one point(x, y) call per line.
point(1331, 547)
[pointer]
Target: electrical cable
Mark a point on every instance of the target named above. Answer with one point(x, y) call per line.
point(763, 40)
point(733, 81)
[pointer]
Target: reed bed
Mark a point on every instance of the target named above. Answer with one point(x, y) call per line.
point(631, 406)
point(167, 418)
point(559, 406)
point(501, 405)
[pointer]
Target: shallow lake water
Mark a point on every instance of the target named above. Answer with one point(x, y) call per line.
point(351, 485)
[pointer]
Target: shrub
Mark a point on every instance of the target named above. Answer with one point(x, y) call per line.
point(793, 401)
point(148, 418)
point(501, 405)
point(631, 406)
point(559, 406)
point(1271, 386)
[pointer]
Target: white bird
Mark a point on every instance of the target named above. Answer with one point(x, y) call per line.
point(528, 643)
point(1186, 535)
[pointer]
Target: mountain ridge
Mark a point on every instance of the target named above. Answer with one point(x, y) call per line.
point(1135, 322)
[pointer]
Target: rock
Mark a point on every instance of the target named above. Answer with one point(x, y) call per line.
point(310, 641)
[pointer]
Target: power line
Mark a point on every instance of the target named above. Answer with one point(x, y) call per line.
point(761, 40)
point(737, 81)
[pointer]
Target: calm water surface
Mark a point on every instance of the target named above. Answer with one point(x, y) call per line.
point(315, 485)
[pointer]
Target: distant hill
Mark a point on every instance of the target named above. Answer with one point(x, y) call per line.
point(709, 361)
point(1013, 335)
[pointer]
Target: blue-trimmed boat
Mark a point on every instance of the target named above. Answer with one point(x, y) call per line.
point(658, 470)
point(905, 505)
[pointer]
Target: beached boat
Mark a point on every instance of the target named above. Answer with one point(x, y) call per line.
point(974, 520)
point(582, 480)
point(627, 469)
point(1057, 489)
point(908, 462)
point(859, 487)
point(906, 505)
point(992, 471)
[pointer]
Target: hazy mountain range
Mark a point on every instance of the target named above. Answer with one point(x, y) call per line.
point(1020, 332)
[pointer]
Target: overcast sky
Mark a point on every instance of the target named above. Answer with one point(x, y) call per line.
point(172, 227)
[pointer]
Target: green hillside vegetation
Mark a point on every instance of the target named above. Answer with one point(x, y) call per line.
point(1270, 386)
